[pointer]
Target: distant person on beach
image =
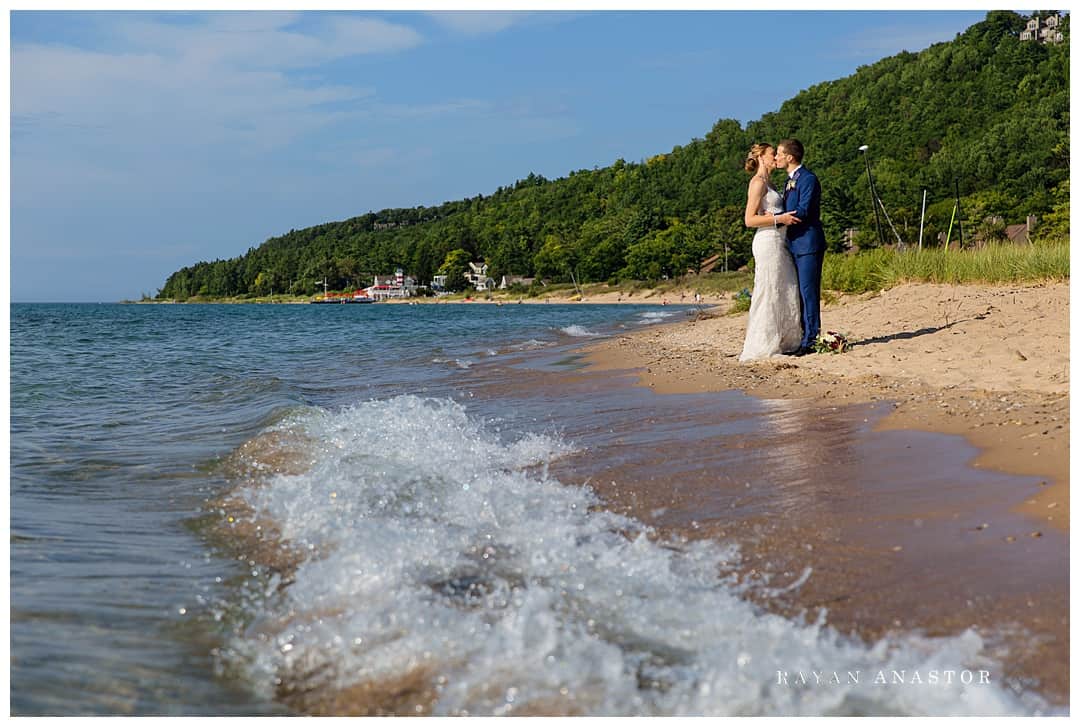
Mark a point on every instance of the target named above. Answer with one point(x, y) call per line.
point(805, 236)
point(774, 324)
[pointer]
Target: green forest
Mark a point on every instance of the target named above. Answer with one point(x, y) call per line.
point(985, 112)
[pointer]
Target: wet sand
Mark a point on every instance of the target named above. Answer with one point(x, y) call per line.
point(969, 371)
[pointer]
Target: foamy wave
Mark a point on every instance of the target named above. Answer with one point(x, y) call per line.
point(461, 363)
point(529, 345)
point(447, 573)
point(650, 317)
point(578, 331)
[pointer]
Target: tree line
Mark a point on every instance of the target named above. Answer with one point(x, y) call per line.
point(985, 112)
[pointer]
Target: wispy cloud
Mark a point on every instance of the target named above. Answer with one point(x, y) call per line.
point(479, 22)
point(269, 39)
point(226, 79)
point(489, 22)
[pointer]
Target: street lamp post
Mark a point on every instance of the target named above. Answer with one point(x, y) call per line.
point(873, 195)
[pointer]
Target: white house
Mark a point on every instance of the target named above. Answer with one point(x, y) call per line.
point(398, 285)
point(478, 276)
point(1044, 31)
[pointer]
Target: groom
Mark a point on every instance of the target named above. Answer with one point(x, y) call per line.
point(805, 238)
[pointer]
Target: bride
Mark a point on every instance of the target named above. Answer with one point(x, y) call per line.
point(775, 324)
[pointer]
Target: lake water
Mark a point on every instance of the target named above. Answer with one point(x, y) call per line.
point(226, 510)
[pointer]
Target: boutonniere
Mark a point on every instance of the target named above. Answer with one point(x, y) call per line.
point(790, 184)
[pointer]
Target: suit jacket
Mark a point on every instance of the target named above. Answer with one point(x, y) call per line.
point(802, 195)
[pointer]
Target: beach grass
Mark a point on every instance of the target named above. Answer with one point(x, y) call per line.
point(994, 263)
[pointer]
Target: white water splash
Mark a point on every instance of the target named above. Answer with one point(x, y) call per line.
point(578, 331)
point(650, 317)
point(438, 546)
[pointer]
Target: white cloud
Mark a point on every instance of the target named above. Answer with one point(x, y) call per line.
point(251, 21)
point(366, 35)
point(223, 80)
point(250, 81)
point(479, 22)
point(268, 39)
point(132, 98)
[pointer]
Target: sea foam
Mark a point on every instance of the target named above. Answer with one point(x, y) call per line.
point(649, 317)
point(578, 331)
point(448, 573)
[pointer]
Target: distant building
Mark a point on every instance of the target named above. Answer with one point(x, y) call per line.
point(478, 277)
point(397, 285)
point(508, 280)
point(1043, 30)
point(1022, 232)
point(709, 264)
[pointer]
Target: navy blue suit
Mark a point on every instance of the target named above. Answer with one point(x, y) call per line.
point(806, 241)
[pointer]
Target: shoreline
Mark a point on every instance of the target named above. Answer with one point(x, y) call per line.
point(985, 364)
point(683, 296)
point(1022, 431)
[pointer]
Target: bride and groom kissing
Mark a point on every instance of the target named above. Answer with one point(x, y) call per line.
point(788, 248)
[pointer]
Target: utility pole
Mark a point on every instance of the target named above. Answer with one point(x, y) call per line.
point(873, 195)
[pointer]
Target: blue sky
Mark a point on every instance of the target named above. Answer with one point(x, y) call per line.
point(144, 142)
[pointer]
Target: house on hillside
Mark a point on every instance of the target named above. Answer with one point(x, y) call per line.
point(478, 276)
point(1043, 30)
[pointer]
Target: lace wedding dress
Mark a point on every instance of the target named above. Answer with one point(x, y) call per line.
point(775, 324)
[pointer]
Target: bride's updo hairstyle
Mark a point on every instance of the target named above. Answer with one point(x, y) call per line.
point(753, 155)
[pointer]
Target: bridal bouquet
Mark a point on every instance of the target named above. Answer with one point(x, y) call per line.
point(831, 342)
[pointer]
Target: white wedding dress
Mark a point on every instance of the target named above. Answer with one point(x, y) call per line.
point(775, 324)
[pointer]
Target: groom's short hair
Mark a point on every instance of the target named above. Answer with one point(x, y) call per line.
point(793, 147)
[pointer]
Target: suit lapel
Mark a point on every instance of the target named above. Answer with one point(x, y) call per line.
point(789, 186)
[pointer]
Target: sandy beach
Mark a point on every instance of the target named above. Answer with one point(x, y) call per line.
point(979, 366)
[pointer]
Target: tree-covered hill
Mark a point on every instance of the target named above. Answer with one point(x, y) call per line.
point(986, 111)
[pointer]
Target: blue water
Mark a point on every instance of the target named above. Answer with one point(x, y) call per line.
point(400, 456)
